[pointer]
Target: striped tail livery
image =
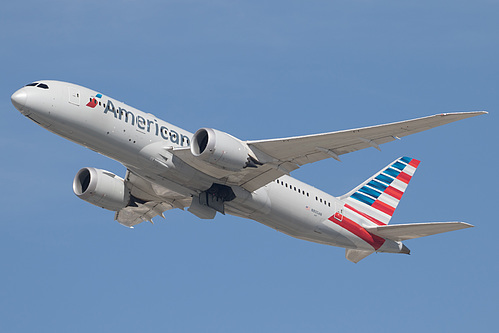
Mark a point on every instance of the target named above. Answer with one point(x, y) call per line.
point(368, 208)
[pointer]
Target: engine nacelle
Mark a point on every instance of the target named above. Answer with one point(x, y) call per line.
point(221, 149)
point(101, 188)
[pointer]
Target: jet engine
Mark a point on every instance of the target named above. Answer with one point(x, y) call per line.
point(101, 188)
point(222, 150)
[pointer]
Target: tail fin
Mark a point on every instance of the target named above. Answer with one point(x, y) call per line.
point(375, 200)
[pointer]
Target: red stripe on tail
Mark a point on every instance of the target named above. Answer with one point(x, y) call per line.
point(404, 177)
point(393, 192)
point(414, 163)
point(385, 208)
point(373, 240)
point(370, 218)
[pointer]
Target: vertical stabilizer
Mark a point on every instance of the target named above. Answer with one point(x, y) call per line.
point(374, 201)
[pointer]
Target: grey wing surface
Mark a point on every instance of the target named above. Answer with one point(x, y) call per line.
point(147, 201)
point(281, 156)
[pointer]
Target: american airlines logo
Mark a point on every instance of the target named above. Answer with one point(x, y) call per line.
point(143, 124)
point(94, 100)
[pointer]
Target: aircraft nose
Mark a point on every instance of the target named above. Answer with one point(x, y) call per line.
point(19, 99)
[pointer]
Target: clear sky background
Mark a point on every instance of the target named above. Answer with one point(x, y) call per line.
point(255, 69)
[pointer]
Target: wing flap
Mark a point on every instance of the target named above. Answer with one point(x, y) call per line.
point(148, 201)
point(401, 232)
point(130, 216)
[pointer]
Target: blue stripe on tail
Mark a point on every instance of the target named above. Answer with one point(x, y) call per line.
point(398, 165)
point(385, 179)
point(391, 172)
point(363, 198)
point(370, 191)
point(377, 185)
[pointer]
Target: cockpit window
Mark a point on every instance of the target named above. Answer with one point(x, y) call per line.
point(38, 85)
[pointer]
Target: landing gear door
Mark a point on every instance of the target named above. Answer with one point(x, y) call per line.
point(74, 95)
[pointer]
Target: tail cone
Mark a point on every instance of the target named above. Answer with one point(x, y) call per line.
point(405, 249)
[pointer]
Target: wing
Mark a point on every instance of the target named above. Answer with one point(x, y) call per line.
point(148, 200)
point(132, 215)
point(281, 156)
point(311, 148)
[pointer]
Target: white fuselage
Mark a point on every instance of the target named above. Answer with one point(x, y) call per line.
point(130, 136)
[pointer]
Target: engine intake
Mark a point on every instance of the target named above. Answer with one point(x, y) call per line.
point(221, 149)
point(101, 188)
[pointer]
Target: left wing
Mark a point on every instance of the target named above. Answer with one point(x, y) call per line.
point(311, 148)
point(281, 156)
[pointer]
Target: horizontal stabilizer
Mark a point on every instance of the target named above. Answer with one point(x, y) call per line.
point(356, 255)
point(401, 232)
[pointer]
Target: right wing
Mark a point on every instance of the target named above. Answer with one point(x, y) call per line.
point(132, 215)
point(154, 201)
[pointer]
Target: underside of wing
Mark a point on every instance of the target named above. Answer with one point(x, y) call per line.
point(277, 157)
point(132, 215)
point(249, 178)
point(311, 148)
point(148, 200)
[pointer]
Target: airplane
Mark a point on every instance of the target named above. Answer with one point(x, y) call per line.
point(212, 172)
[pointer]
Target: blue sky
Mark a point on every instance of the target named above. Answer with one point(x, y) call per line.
point(255, 69)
